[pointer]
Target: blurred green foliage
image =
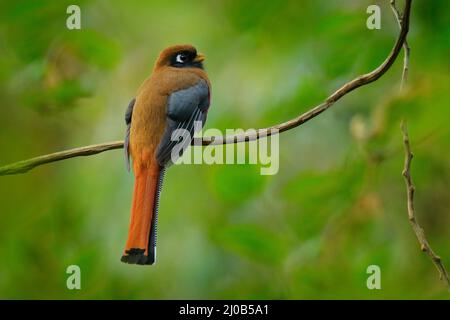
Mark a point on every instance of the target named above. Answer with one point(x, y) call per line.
point(336, 206)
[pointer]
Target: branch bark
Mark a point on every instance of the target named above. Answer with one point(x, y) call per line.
point(410, 189)
point(26, 165)
point(406, 48)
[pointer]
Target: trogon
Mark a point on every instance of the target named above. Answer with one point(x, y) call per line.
point(175, 96)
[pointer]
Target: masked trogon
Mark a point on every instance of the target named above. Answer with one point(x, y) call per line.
point(175, 96)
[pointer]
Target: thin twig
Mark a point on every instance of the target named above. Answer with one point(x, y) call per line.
point(406, 48)
point(27, 165)
point(359, 81)
point(410, 189)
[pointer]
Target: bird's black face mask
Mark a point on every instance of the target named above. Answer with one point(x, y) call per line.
point(187, 59)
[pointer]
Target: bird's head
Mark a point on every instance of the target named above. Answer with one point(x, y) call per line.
point(180, 56)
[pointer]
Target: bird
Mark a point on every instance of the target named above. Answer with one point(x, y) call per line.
point(175, 96)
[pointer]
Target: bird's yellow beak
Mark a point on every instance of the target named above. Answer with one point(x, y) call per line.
point(199, 58)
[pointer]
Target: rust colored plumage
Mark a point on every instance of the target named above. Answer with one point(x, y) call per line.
point(148, 124)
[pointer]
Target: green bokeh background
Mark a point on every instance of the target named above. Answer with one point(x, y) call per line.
point(336, 206)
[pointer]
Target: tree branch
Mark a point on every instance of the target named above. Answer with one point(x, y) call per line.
point(26, 165)
point(406, 47)
point(410, 189)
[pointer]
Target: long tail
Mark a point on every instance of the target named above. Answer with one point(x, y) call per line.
point(141, 243)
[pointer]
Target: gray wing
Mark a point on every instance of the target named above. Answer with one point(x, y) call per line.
point(185, 109)
point(128, 115)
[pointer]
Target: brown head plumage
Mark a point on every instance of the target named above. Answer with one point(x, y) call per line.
point(180, 56)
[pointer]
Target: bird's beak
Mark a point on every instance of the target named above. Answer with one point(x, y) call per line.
point(199, 58)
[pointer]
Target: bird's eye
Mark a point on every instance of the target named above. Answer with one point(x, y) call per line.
point(181, 58)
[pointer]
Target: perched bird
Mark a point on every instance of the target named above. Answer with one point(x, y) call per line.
point(175, 96)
